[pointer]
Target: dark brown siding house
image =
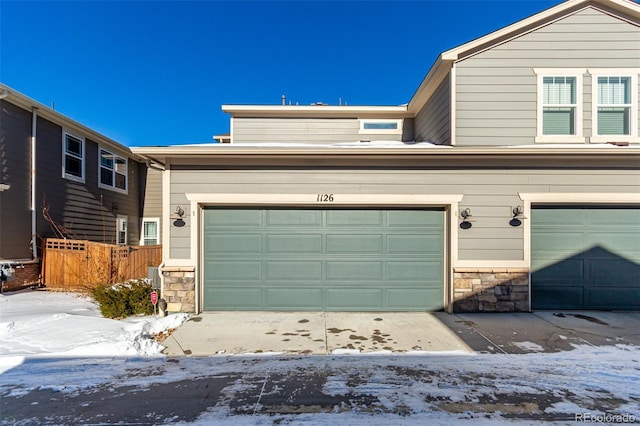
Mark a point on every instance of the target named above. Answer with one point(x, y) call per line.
point(86, 183)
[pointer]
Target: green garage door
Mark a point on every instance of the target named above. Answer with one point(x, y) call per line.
point(315, 260)
point(585, 258)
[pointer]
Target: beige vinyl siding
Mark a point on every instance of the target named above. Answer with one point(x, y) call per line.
point(88, 212)
point(496, 89)
point(152, 196)
point(15, 166)
point(490, 195)
point(302, 130)
point(433, 122)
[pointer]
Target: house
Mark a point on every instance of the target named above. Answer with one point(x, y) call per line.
point(58, 173)
point(509, 182)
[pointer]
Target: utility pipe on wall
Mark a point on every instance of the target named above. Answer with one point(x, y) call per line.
point(34, 122)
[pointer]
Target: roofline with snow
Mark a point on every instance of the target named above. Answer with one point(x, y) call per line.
point(319, 111)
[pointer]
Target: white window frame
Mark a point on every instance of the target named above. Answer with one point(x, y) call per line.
point(614, 72)
point(113, 172)
point(576, 73)
point(396, 121)
point(143, 237)
point(120, 220)
point(65, 135)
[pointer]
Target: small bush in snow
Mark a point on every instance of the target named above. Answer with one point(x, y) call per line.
point(123, 300)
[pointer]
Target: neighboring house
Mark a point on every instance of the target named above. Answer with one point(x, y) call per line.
point(525, 193)
point(89, 184)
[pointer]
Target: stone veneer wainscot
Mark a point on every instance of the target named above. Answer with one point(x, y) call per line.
point(179, 289)
point(491, 290)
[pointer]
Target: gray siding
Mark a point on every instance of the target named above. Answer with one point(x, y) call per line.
point(496, 89)
point(151, 195)
point(302, 130)
point(433, 122)
point(15, 166)
point(490, 194)
point(87, 211)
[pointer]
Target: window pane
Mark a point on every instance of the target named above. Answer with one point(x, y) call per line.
point(150, 241)
point(73, 146)
point(72, 166)
point(106, 176)
point(150, 229)
point(106, 159)
point(121, 181)
point(121, 165)
point(558, 121)
point(559, 90)
point(381, 126)
point(614, 121)
point(614, 90)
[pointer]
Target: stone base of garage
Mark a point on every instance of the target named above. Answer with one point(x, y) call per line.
point(179, 289)
point(491, 290)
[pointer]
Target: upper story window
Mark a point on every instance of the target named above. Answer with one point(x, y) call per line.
point(381, 126)
point(559, 105)
point(73, 157)
point(615, 110)
point(113, 171)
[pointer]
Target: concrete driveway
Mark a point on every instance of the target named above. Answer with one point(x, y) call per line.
point(322, 333)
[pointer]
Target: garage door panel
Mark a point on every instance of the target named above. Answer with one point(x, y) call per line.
point(238, 270)
point(553, 270)
point(354, 299)
point(354, 271)
point(418, 271)
point(622, 298)
point(618, 241)
point(354, 244)
point(294, 218)
point(549, 239)
point(555, 217)
point(563, 297)
point(603, 217)
point(354, 218)
point(412, 218)
point(613, 272)
point(293, 298)
point(228, 297)
point(410, 298)
point(414, 244)
point(294, 270)
point(231, 244)
point(294, 244)
point(232, 217)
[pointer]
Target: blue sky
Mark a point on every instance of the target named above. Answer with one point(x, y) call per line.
point(157, 73)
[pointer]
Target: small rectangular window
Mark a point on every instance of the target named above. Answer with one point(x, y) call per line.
point(381, 126)
point(150, 231)
point(113, 171)
point(73, 163)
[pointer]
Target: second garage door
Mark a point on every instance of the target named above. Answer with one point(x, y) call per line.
point(585, 258)
point(315, 260)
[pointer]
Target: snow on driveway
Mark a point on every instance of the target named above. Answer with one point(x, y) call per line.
point(55, 342)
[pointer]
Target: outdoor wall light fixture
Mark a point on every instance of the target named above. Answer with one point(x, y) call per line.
point(178, 216)
point(466, 219)
point(518, 214)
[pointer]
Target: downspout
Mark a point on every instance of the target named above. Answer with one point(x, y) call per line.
point(34, 245)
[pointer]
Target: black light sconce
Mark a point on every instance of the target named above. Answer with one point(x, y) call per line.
point(178, 216)
point(466, 219)
point(518, 215)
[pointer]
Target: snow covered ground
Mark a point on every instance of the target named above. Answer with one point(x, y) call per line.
point(56, 344)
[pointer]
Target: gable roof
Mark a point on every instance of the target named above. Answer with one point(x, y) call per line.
point(628, 10)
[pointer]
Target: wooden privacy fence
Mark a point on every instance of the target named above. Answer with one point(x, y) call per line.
point(80, 264)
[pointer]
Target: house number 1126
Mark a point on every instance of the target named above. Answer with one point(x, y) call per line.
point(324, 198)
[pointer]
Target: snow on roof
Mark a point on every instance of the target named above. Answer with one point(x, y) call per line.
point(356, 144)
